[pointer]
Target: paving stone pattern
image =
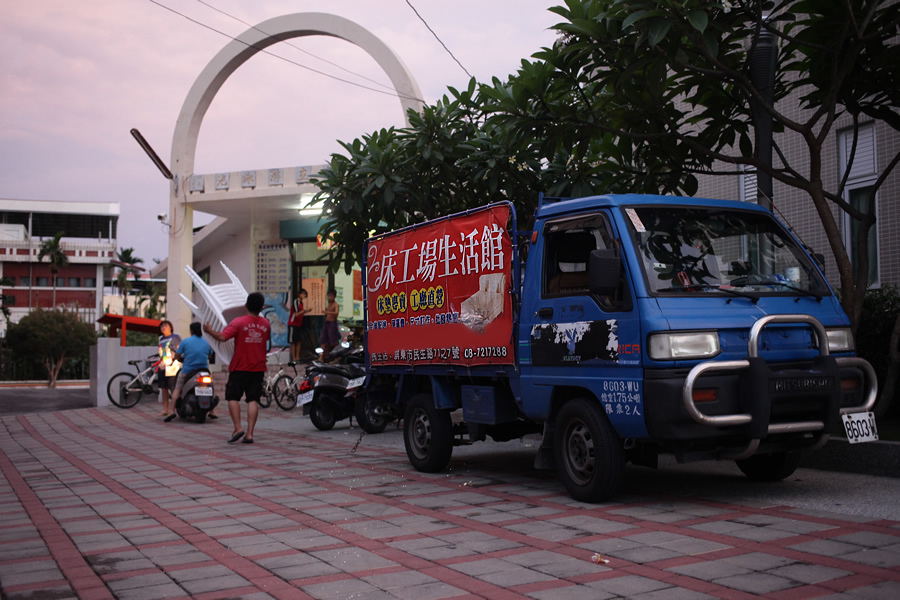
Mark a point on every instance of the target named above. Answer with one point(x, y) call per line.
point(109, 503)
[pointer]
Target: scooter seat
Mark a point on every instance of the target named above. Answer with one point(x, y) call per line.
point(348, 371)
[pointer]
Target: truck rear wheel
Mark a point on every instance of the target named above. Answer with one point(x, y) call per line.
point(589, 455)
point(427, 434)
point(770, 467)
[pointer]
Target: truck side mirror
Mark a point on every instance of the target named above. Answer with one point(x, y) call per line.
point(603, 272)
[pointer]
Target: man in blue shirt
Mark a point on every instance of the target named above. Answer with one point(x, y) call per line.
point(194, 355)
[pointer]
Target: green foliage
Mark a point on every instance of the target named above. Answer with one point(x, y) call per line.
point(140, 338)
point(880, 310)
point(638, 96)
point(52, 250)
point(126, 261)
point(50, 337)
point(5, 282)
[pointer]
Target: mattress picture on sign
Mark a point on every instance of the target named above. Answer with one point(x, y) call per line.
point(486, 304)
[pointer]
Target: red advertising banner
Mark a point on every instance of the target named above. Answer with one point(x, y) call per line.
point(439, 293)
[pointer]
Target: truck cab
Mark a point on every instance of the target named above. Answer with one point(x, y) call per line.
point(646, 325)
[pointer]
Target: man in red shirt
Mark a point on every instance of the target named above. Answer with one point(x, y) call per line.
point(248, 365)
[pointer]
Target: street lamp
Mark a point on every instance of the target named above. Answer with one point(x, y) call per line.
point(153, 156)
point(762, 59)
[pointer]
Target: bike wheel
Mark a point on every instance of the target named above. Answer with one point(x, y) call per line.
point(124, 390)
point(265, 401)
point(283, 390)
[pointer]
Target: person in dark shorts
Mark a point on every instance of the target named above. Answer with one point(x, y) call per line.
point(331, 335)
point(295, 322)
point(168, 366)
point(248, 365)
point(193, 353)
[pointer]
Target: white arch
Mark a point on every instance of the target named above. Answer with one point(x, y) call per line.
point(208, 84)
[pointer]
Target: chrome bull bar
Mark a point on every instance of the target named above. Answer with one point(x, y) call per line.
point(687, 395)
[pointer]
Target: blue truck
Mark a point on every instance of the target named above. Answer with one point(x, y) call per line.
point(620, 327)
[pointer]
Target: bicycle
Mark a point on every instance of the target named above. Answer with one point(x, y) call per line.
point(265, 400)
point(125, 389)
point(286, 388)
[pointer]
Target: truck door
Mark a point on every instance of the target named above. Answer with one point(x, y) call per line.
point(578, 339)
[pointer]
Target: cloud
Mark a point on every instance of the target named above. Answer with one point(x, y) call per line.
point(78, 76)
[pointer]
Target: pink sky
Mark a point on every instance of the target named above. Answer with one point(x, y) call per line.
point(77, 76)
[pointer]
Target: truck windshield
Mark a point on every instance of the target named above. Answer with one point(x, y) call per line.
point(694, 251)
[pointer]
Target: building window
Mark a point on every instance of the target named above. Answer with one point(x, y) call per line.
point(748, 191)
point(9, 300)
point(73, 282)
point(862, 176)
point(25, 281)
point(90, 282)
point(60, 282)
point(42, 281)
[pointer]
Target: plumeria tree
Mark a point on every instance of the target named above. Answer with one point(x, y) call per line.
point(666, 88)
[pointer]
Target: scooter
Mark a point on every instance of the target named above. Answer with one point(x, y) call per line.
point(337, 391)
point(197, 397)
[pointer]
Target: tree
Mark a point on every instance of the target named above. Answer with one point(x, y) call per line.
point(152, 295)
point(667, 84)
point(52, 250)
point(5, 282)
point(449, 159)
point(126, 264)
point(639, 96)
point(50, 337)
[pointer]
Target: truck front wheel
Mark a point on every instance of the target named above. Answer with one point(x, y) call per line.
point(427, 434)
point(589, 455)
point(770, 467)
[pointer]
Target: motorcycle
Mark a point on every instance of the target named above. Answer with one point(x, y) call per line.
point(337, 391)
point(197, 397)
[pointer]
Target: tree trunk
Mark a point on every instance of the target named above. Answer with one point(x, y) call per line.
point(53, 368)
point(887, 395)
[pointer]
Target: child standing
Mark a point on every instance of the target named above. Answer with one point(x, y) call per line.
point(295, 322)
point(331, 335)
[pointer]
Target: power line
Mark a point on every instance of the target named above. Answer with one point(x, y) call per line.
point(295, 47)
point(437, 38)
point(285, 59)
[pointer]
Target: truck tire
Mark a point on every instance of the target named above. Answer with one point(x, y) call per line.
point(589, 454)
point(427, 434)
point(770, 467)
point(366, 417)
point(321, 413)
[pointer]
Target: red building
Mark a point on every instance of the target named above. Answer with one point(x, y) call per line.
point(88, 240)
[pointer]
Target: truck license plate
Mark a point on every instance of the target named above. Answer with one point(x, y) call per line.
point(860, 427)
point(203, 391)
point(356, 382)
point(305, 397)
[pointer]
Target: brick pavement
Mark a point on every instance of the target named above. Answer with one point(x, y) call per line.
point(110, 503)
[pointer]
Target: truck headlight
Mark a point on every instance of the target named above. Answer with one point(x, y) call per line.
point(683, 345)
point(840, 339)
